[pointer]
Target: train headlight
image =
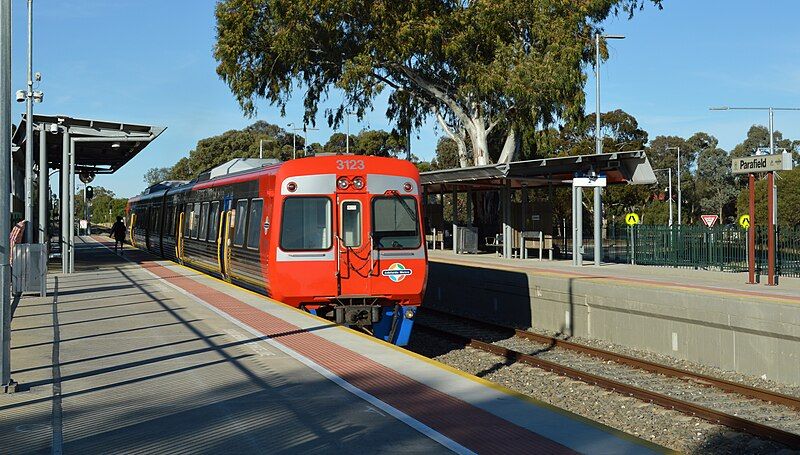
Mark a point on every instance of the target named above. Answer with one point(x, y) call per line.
point(358, 183)
point(291, 187)
point(409, 313)
point(342, 183)
point(408, 187)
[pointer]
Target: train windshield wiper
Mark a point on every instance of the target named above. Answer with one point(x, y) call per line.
point(411, 212)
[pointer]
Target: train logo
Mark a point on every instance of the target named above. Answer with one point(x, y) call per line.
point(396, 272)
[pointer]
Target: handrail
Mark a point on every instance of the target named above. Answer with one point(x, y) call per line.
point(179, 237)
point(371, 258)
point(133, 223)
point(220, 226)
point(338, 255)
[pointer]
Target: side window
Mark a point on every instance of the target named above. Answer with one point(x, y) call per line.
point(254, 223)
point(187, 219)
point(213, 219)
point(241, 221)
point(193, 227)
point(203, 220)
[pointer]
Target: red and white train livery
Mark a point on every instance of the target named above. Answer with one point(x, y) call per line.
point(339, 236)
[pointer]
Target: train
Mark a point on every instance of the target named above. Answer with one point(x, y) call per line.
point(339, 236)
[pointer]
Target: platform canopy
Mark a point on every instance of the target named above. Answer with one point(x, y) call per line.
point(619, 168)
point(103, 156)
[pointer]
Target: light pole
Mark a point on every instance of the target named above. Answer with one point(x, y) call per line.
point(29, 96)
point(306, 129)
point(680, 195)
point(347, 127)
point(669, 175)
point(294, 139)
point(5, 195)
point(598, 203)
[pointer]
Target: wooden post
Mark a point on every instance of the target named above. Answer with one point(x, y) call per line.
point(751, 233)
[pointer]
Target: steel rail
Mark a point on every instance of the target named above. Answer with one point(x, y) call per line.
point(709, 381)
point(738, 423)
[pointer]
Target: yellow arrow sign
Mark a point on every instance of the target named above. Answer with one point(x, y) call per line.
point(631, 219)
point(744, 221)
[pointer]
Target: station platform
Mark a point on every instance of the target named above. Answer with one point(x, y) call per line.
point(709, 317)
point(134, 354)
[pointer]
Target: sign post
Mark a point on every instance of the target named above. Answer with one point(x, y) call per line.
point(751, 232)
point(632, 219)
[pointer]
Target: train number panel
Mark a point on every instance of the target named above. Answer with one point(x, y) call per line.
point(340, 236)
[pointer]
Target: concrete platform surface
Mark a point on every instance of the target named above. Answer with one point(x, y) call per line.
point(136, 355)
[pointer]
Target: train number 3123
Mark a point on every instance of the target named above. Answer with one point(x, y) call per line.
point(350, 165)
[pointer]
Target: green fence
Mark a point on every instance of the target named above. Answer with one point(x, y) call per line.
point(721, 248)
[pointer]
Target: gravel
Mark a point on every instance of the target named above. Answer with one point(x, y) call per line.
point(668, 428)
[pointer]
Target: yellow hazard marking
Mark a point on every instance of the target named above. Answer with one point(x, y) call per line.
point(631, 219)
point(744, 221)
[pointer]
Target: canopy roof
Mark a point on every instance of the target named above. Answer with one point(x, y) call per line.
point(116, 142)
point(621, 167)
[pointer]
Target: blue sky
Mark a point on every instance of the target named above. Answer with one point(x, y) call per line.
point(150, 61)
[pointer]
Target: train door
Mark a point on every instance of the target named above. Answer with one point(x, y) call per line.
point(225, 237)
point(353, 245)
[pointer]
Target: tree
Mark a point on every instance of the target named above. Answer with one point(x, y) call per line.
point(104, 206)
point(378, 143)
point(758, 138)
point(475, 66)
point(446, 154)
point(715, 184)
point(244, 143)
point(156, 175)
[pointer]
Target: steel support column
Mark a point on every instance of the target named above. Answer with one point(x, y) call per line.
point(598, 218)
point(29, 133)
point(64, 215)
point(5, 195)
point(574, 227)
point(770, 229)
point(44, 186)
point(579, 223)
point(71, 217)
point(505, 199)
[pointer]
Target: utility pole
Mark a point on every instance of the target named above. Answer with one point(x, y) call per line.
point(598, 201)
point(6, 384)
point(680, 195)
point(261, 149)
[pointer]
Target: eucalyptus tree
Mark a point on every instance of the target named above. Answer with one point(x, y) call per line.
point(480, 67)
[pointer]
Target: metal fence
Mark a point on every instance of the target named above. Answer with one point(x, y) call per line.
point(722, 248)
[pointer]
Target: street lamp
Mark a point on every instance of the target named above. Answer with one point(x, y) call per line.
point(669, 174)
point(598, 205)
point(29, 96)
point(347, 127)
point(680, 195)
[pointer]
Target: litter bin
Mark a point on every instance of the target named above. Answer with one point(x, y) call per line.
point(29, 268)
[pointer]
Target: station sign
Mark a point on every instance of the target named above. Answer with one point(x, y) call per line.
point(589, 182)
point(763, 163)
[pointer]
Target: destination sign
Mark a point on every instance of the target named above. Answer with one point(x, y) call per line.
point(764, 163)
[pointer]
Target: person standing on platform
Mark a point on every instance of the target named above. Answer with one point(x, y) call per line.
point(118, 232)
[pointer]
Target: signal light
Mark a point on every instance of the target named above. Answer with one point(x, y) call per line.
point(291, 186)
point(358, 183)
point(408, 187)
point(342, 183)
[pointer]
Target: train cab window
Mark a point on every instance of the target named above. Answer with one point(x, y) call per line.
point(351, 223)
point(254, 223)
point(306, 223)
point(395, 224)
point(203, 221)
point(213, 219)
point(241, 221)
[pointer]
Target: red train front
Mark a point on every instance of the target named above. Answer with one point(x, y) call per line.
point(340, 236)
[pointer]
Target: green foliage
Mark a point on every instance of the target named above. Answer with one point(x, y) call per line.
point(477, 65)
point(104, 206)
point(244, 143)
point(156, 175)
point(446, 154)
point(716, 185)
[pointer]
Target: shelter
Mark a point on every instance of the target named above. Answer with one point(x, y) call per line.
point(617, 168)
point(71, 145)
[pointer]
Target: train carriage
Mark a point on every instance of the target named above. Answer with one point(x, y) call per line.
point(340, 236)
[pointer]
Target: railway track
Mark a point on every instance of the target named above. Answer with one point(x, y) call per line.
point(759, 412)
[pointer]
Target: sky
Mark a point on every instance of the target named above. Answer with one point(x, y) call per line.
point(151, 62)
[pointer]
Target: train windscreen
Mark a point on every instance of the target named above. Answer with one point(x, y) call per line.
point(395, 223)
point(306, 224)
